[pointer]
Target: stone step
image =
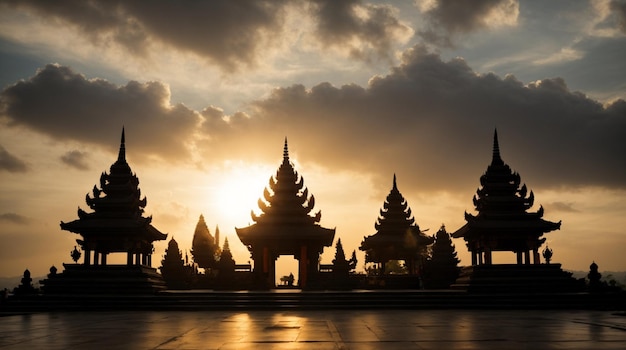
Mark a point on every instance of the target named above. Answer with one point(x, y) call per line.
point(207, 301)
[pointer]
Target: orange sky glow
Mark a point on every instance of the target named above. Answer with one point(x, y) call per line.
point(208, 92)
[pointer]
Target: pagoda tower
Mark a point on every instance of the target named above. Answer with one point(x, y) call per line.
point(286, 226)
point(504, 222)
point(397, 235)
point(116, 223)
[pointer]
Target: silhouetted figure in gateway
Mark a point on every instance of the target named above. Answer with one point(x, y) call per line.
point(285, 227)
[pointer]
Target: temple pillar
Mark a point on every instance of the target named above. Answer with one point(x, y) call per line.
point(480, 258)
point(537, 260)
point(129, 258)
point(87, 257)
point(487, 256)
point(149, 260)
point(303, 267)
point(95, 258)
point(519, 258)
point(266, 260)
point(474, 258)
point(272, 271)
point(104, 259)
point(137, 259)
point(144, 259)
point(527, 257)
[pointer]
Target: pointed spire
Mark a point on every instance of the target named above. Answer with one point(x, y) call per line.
point(217, 235)
point(122, 155)
point(496, 160)
point(286, 152)
point(395, 187)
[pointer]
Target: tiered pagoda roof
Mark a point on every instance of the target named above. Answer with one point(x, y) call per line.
point(503, 205)
point(117, 216)
point(286, 210)
point(397, 235)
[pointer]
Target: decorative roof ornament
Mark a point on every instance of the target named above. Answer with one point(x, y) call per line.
point(496, 159)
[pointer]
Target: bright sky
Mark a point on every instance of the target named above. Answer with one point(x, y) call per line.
point(207, 91)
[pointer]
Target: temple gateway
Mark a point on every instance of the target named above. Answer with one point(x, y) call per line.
point(286, 227)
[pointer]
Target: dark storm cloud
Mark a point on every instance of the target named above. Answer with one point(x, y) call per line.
point(432, 122)
point(65, 105)
point(339, 24)
point(14, 218)
point(619, 7)
point(228, 33)
point(449, 18)
point(76, 159)
point(11, 163)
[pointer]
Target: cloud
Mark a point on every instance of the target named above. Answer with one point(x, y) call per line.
point(227, 33)
point(14, 218)
point(11, 163)
point(365, 30)
point(562, 207)
point(619, 8)
point(450, 18)
point(432, 121)
point(65, 105)
point(76, 159)
point(428, 120)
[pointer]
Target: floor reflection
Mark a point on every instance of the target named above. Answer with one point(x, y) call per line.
point(427, 329)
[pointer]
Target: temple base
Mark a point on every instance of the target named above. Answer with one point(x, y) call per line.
point(517, 279)
point(109, 280)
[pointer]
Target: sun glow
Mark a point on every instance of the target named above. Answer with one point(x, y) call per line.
point(237, 191)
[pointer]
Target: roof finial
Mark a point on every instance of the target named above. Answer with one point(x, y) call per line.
point(496, 160)
point(286, 151)
point(395, 187)
point(122, 155)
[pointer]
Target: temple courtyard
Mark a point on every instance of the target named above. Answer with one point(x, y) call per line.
point(348, 329)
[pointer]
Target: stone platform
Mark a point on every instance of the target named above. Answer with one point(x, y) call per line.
point(276, 300)
point(78, 279)
point(516, 279)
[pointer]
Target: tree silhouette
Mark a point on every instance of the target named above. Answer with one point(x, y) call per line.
point(203, 247)
point(173, 269)
point(441, 269)
point(226, 263)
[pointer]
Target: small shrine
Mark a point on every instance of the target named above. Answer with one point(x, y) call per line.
point(397, 235)
point(503, 222)
point(115, 225)
point(286, 226)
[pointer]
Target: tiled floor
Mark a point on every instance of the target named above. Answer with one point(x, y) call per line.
point(424, 329)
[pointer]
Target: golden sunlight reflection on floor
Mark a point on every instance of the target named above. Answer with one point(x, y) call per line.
point(339, 329)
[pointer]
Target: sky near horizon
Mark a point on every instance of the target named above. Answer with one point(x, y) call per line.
point(363, 90)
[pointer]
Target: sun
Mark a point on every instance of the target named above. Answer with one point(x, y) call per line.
point(237, 191)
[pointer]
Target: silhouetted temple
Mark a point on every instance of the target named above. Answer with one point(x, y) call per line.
point(503, 222)
point(285, 227)
point(116, 225)
point(397, 235)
